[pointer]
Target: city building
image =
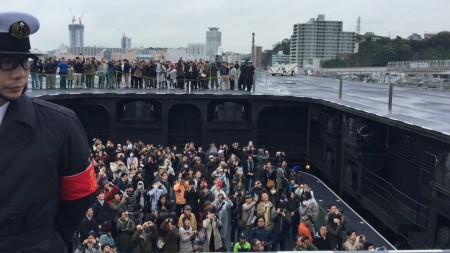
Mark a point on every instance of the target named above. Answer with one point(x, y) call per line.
point(196, 51)
point(320, 39)
point(145, 54)
point(149, 53)
point(213, 41)
point(258, 56)
point(76, 35)
point(125, 42)
point(280, 58)
point(232, 57)
point(174, 54)
point(99, 53)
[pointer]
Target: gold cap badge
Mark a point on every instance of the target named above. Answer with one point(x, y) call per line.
point(19, 30)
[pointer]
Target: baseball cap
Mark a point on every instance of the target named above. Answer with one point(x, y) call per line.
point(197, 241)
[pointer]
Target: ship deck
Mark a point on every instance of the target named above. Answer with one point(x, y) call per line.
point(414, 108)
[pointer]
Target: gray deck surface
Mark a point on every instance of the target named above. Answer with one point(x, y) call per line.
point(424, 108)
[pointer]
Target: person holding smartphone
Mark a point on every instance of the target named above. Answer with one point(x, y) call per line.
point(143, 237)
point(354, 242)
point(89, 245)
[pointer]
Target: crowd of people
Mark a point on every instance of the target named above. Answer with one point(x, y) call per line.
point(88, 72)
point(223, 198)
point(147, 198)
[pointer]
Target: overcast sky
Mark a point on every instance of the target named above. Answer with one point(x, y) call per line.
point(175, 23)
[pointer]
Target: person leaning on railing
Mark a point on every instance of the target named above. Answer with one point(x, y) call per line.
point(50, 73)
point(62, 71)
point(89, 70)
point(101, 73)
point(34, 71)
point(78, 70)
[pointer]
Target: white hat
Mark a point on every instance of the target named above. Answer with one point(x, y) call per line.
point(15, 28)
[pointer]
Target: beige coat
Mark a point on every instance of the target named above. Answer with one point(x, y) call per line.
point(271, 210)
point(212, 226)
point(185, 240)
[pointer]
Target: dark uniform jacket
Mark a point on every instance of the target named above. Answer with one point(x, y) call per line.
point(103, 212)
point(48, 180)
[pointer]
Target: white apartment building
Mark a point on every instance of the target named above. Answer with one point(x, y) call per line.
point(320, 39)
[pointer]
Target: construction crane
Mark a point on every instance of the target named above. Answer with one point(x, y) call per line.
point(73, 16)
point(79, 19)
point(123, 34)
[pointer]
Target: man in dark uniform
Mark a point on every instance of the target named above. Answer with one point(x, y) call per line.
point(48, 180)
point(241, 79)
point(249, 75)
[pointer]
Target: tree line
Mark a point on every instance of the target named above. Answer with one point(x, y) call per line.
point(378, 51)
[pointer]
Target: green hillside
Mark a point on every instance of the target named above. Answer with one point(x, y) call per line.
point(378, 51)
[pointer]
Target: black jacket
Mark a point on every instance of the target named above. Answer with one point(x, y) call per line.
point(103, 212)
point(78, 67)
point(87, 226)
point(45, 144)
point(126, 68)
point(282, 224)
point(322, 244)
point(192, 199)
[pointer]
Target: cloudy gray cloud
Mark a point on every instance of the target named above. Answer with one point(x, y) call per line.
point(175, 23)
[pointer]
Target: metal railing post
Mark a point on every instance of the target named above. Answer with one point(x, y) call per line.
point(391, 91)
point(340, 88)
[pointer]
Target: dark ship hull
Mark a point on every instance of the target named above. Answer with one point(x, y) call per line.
point(398, 170)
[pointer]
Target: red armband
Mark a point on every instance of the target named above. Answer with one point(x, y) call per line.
point(78, 186)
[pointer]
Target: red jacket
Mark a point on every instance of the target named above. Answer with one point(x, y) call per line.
point(109, 195)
